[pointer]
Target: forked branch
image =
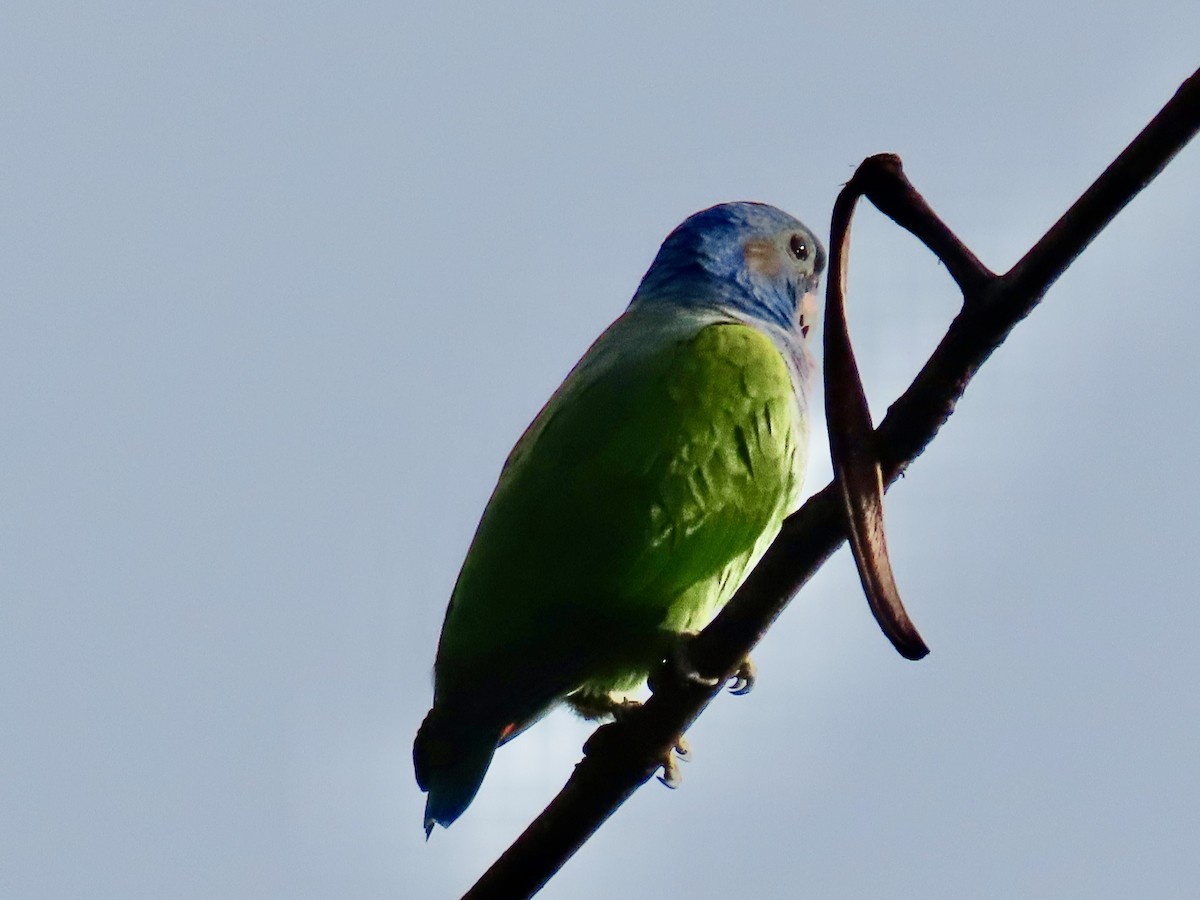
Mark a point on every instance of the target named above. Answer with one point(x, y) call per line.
point(620, 758)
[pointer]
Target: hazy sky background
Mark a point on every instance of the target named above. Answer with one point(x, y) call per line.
point(282, 283)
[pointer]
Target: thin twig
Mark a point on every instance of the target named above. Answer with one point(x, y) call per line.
point(620, 758)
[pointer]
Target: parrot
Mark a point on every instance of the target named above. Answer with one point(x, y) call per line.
point(638, 499)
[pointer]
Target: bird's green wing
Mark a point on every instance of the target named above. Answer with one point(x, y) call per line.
point(630, 510)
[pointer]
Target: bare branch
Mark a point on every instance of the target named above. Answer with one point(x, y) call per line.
point(620, 758)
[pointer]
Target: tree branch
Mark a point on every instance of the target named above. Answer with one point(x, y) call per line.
point(856, 468)
point(620, 758)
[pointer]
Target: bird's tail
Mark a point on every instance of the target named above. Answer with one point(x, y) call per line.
point(450, 760)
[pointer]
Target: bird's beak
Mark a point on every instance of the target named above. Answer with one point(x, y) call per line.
point(807, 308)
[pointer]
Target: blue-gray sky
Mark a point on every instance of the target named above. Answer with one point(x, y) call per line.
point(282, 284)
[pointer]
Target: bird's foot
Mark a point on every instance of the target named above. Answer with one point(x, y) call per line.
point(615, 738)
point(672, 777)
point(679, 669)
point(742, 681)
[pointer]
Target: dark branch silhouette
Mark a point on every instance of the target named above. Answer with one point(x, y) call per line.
point(619, 758)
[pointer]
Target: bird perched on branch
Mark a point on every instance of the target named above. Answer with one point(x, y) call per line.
point(638, 499)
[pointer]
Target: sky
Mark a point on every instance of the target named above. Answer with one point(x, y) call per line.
point(281, 285)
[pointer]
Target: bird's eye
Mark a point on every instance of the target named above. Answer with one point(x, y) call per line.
point(799, 247)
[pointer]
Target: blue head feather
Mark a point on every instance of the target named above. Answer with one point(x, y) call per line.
point(722, 257)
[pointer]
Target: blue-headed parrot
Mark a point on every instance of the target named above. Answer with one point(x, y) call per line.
point(637, 500)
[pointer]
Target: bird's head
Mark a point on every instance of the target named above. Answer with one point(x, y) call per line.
point(750, 257)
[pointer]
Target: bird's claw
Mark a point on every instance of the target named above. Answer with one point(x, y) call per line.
point(613, 736)
point(671, 776)
point(681, 752)
point(742, 681)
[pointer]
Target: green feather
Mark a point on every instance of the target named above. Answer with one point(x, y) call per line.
point(628, 512)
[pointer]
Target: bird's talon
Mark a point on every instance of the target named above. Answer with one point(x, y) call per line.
point(683, 750)
point(671, 776)
point(742, 681)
